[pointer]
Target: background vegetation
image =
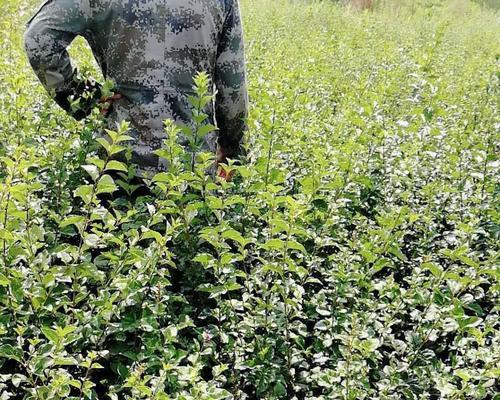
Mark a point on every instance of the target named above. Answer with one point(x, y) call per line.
point(355, 256)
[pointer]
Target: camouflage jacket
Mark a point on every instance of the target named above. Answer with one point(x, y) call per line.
point(151, 49)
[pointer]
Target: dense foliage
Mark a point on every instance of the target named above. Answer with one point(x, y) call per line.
point(355, 255)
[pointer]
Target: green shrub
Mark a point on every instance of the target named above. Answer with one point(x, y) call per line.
point(354, 256)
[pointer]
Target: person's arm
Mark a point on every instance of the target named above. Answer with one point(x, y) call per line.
point(47, 37)
point(230, 80)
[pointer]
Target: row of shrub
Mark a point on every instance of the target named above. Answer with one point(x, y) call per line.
point(353, 256)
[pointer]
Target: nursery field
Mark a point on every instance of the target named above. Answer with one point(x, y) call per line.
point(354, 255)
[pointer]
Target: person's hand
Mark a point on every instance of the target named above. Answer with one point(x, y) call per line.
point(107, 102)
point(221, 158)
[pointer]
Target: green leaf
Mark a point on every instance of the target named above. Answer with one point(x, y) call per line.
point(124, 138)
point(396, 251)
point(435, 269)
point(279, 225)
point(294, 245)
point(92, 170)
point(97, 162)
point(50, 334)
point(469, 261)
point(105, 144)
point(106, 185)
point(232, 286)
point(17, 379)
point(67, 330)
point(309, 185)
point(204, 258)
point(65, 361)
point(115, 149)
point(162, 177)
point(274, 244)
point(276, 268)
point(469, 322)
point(113, 135)
point(463, 374)
point(214, 203)
point(92, 240)
point(234, 235)
point(85, 193)
point(279, 390)
point(114, 165)
point(42, 364)
point(150, 234)
point(11, 352)
point(6, 235)
point(381, 263)
point(76, 220)
point(4, 281)
point(370, 345)
point(206, 129)
point(213, 290)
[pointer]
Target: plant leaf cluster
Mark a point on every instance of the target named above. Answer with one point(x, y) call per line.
point(353, 256)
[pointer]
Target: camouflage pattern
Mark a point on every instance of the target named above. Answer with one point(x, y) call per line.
point(151, 49)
